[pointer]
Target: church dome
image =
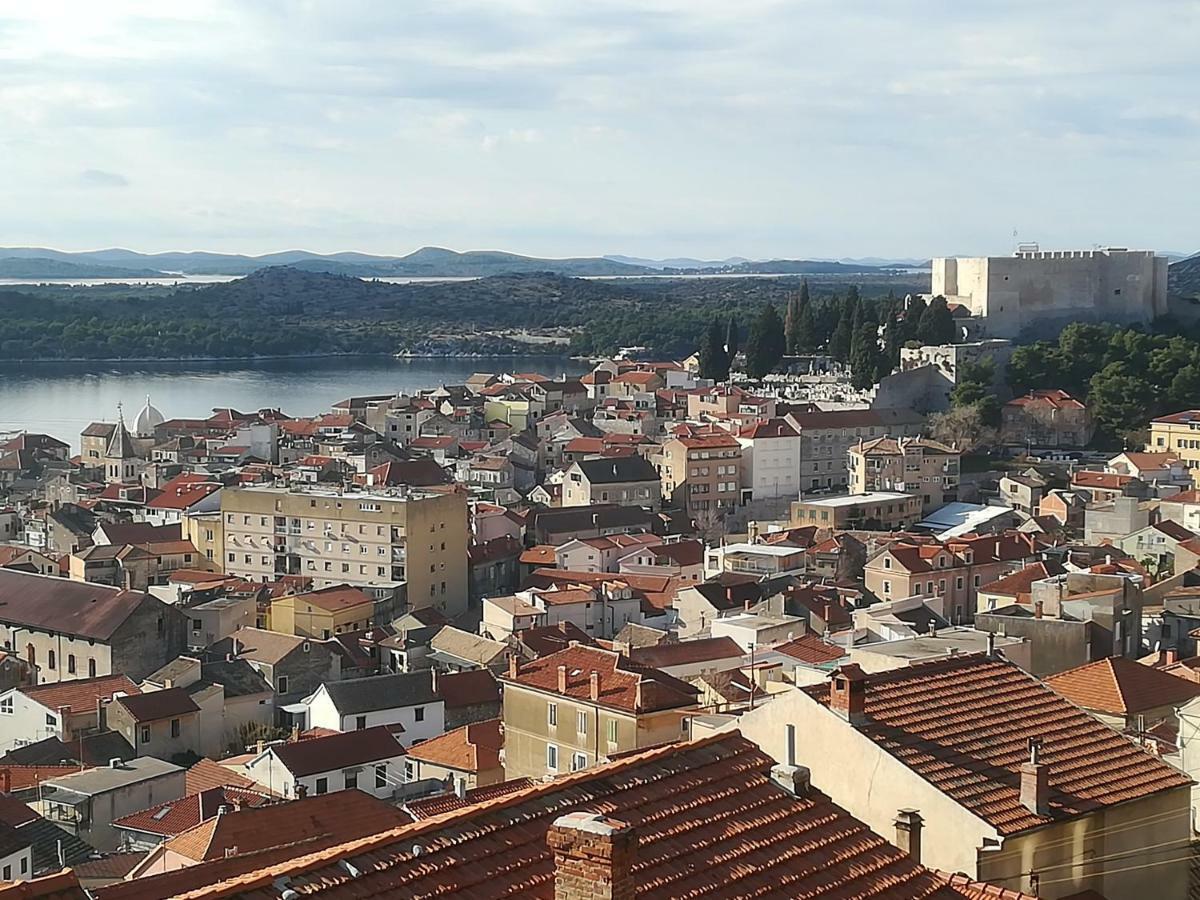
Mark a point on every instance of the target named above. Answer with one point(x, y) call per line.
point(147, 420)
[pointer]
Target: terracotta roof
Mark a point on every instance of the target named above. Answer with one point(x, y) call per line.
point(472, 748)
point(708, 819)
point(1150, 460)
point(684, 653)
point(62, 885)
point(772, 428)
point(1174, 530)
point(622, 684)
point(429, 807)
point(341, 815)
point(809, 648)
point(333, 599)
point(1121, 686)
point(207, 774)
point(1186, 417)
point(473, 687)
point(183, 491)
point(56, 604)
point(963, 724)
point(541, 555)
point(155, 705)
point(1107, 480)
point(176, 816)
point(112, 867)
point(1054, 399)
point(21, 778)
point(1019, 584)
point(83, 694)
point(338, 751)
point(543, 640)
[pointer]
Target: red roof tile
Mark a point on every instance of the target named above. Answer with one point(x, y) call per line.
point(809, 648)
point(472, 748)
point(684, 653)
point(623, 684)
point(176, 816)
point(1120, 686)
point(82, 695)
point(709, 822)
point(963, 724)
point(207, 774)
point(429, 807)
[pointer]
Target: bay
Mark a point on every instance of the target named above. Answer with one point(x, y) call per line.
point(62, 398)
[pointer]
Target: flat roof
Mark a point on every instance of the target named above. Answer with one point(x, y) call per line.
point(396, 494)
point(762, 549)
point(857, 499)
point(109, 778)
point(923, 646)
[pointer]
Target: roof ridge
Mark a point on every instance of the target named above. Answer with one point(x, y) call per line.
point(318, 858)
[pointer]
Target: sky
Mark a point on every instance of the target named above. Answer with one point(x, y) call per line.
point(703, 128)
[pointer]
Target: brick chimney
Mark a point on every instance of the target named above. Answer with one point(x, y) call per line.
point(1035, 781)
point(848, 693)
point(594, 686)
point(5, 781)
point(593, 858)
point(1170, 657)
point(908, 832)
point(562, 679)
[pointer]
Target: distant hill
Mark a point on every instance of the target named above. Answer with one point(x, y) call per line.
point(432, 262)
point(42, 267)
point(1183, 277)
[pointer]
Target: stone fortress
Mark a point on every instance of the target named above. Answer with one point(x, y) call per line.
point(1038, 291)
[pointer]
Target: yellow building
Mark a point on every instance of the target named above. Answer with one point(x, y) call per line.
point(909, 465)
point(322, 614)
point(413, 537)
point(1178, 433)
point(206, 534)
point(570, 709)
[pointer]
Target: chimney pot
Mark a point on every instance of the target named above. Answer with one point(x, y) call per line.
point(908, 832)
point(1171, 657)
point(594, 686)
point(848, 693)
point(796, 780)
point(594, 858)
point(1035, 781)
point(562, 679)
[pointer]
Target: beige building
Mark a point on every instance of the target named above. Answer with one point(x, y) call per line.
point(1178, 433)
point(624, 480)
point(702, 472)
point(1046, 418)
point(910, 465)
point(411, 536)
point(881, 510)
point(322, 613)
point(582, 705)
point(827, 436)
point(1001, 778)
point(1037, 288)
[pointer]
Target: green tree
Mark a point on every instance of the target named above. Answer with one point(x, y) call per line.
point(864, 353)
point(1119, 398)
point(806, 327)
point(766, 344)
point(714, 361)
point(843, 334)
point(791, 323)
point(936, 325)
point(733, 339)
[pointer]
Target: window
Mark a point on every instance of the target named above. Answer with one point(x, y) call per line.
point(410, 770)
point(197, 625)
point(552, 757)
point(419, 714)
point(958, 582)
point(578, 761)
point(91, 668)
point(282, 684)
point(381, 776)
point(175, 728)
point(50, 660)
point(145, 734)
point(322, 785)
point(6, 706)
point(552, 713)
point(360, 723)
point(8, 873)
point(612, 731)
point(581, 722)
point(351, 779)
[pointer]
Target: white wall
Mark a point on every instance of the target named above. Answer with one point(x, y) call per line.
point(28, 722)
point(323, 714)
point(17, 866)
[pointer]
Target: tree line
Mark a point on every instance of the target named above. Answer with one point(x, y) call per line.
point(865, 334)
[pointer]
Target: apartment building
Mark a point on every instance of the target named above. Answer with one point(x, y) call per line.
point(1178, 433)
point(577, 707)
point(701, 471)
point(911, 465)
point(400, 536)
point(624, 480)
point(1046, 418)
point(827, 436)
point(880, 510)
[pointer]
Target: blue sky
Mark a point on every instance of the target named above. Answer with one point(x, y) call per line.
point(763, 129)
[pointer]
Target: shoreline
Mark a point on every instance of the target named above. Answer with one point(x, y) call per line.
point(146, 360)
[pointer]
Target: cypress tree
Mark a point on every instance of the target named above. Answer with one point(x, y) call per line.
point(733, 339)
point(806, 328)
point(766, 343)
point(791, 323)
point(714, 363)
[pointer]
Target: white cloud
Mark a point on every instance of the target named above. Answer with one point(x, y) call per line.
point(665, 127)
